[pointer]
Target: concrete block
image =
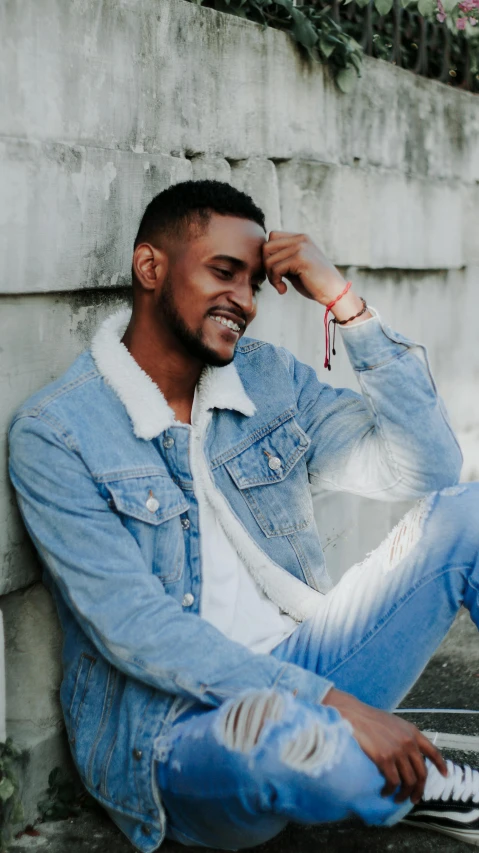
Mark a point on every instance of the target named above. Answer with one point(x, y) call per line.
point(372, 218)
point(331, 204)
point(70, 215)
point(155, 77)
point(258, 179)
point(33, 645)
point(211, 169)
point(415, 224)
point(398, 120)
point(471, 225)
point(41, 335)
point(439, 310)
point(41, 753)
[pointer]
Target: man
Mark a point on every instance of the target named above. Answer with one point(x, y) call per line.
point(215, 686)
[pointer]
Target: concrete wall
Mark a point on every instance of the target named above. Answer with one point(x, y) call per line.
point(104, 103)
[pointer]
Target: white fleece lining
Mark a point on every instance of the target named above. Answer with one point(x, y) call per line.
point(150, 415)
point(289, 593)
point(147, 408)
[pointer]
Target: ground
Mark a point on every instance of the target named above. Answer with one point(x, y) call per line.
point(450, 681)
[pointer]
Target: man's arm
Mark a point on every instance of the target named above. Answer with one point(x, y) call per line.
point(121, 606)
point(394, 441)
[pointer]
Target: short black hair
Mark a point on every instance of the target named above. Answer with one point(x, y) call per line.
point(177, 207)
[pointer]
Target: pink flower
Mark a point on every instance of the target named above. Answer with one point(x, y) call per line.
point(441, 15)
point(461, 23)
point(473, 22)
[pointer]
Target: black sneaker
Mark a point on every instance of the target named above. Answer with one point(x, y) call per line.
point(450, 804)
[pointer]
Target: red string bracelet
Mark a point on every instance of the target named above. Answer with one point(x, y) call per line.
point(327, 358)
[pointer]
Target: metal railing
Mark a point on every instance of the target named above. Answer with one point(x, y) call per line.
point(408, 40)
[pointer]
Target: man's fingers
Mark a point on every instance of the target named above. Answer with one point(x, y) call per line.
point(408, 777)
point(393, 780)
point(430, 751)
point(280, 240)
point(420, 770)
point(272, 263)
point(278, 270)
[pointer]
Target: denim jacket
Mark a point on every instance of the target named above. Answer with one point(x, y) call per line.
point(108, 486)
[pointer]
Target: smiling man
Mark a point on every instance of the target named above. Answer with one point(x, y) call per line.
point(215, 686)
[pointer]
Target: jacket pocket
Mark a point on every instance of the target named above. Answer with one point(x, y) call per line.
point(273, 479)
point(150, 507)
point(80, 689)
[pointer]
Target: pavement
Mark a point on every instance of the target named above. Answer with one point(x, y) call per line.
point(451, 680)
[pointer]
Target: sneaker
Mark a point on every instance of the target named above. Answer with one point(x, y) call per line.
point(450, 804)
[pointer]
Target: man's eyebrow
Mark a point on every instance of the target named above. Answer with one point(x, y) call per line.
point(239, 264)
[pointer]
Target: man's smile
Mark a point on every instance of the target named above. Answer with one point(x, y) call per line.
point(224, 321)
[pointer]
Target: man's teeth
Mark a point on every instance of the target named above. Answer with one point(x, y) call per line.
point(225, 322)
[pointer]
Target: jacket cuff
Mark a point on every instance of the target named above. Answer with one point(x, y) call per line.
point(372, 343)
point(304, 684)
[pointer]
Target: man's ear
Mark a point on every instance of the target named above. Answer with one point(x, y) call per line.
point(150, 266)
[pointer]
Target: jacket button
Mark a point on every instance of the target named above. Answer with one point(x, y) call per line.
point(274, 463)
point(137, 754)
point(185, 523)
point(146, 829)
point(188, 599)
point(168, 442)
point(152, 504)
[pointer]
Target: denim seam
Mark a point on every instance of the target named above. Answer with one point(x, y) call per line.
point(246, 348)
point(105, 716)
point(130, 474)
point(266, 526)
point(60, 392)
point(297, 547)
point(389, 615)
point(58, 428)
point(274, 477)
point(288, 414)
point(383, 363)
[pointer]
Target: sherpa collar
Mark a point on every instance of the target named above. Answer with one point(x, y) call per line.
point(150, 414)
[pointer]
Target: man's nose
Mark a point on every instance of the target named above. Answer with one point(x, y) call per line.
point(243, 297)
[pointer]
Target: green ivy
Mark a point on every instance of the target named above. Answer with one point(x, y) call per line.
point(65, 797)
point(335, 43)
point(314, 29)
point(11, 811)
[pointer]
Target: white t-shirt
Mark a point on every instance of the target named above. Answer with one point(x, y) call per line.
point(230, 599)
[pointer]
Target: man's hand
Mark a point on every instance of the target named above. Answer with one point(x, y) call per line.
point(296, 257)
point(396, 747)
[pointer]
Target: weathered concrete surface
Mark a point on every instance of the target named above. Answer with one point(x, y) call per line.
point(70, 214)
point(40, 337)
point(374, 218)
point(167, 76)
point(451, 679)
point(259, 179)
point(91, 129)
point(33, 646)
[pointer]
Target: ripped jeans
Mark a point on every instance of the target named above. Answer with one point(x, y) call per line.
point(236, 775)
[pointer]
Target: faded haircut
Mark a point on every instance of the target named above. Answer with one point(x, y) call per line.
point(174, 210)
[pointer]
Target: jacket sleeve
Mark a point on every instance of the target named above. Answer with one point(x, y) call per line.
point(391, 442)
point(121, 606)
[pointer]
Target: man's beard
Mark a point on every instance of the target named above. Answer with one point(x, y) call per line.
point(192, 341)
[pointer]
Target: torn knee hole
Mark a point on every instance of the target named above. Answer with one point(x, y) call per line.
point(244, 721)
point(306, 751)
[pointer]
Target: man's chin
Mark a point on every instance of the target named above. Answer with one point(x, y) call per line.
point(214, 359)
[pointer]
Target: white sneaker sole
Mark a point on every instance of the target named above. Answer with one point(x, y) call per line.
point(469, 836)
